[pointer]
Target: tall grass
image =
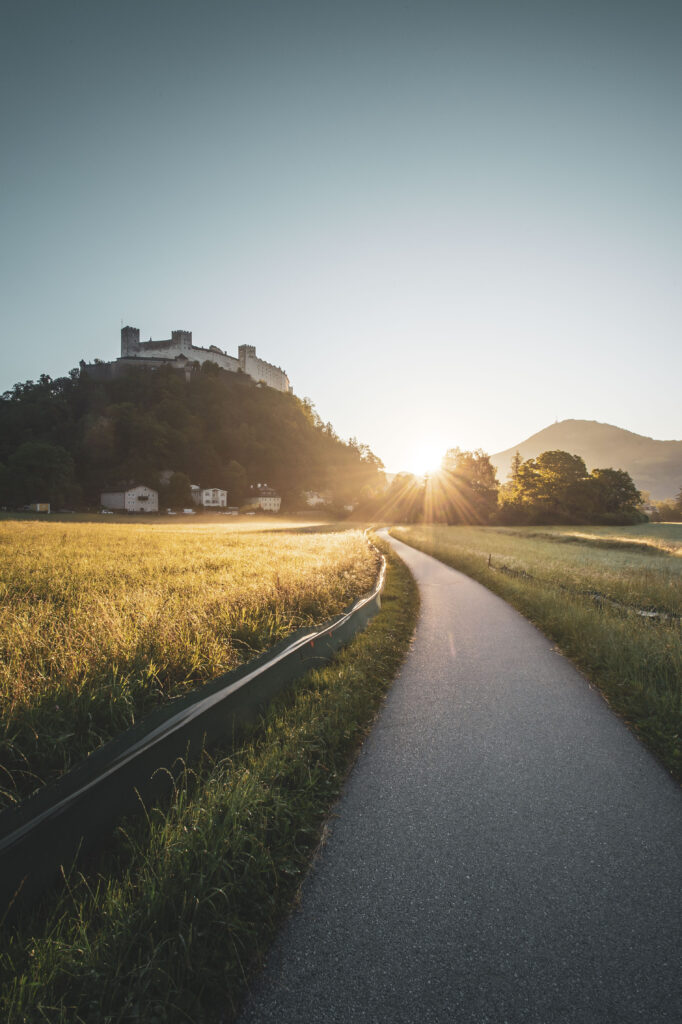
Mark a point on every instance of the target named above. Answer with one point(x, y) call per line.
point(587, 590)
point(171, 926)
point(100, 622)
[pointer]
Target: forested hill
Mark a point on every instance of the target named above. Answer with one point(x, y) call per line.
point(76, 436)
point(655, 466)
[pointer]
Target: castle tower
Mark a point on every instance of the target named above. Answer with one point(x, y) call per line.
point(183, 339)
point(130, 341)
point(246, 352)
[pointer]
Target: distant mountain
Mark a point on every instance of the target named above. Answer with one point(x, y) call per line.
point(655, 466)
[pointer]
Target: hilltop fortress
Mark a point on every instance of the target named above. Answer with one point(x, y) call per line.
point(179, 352)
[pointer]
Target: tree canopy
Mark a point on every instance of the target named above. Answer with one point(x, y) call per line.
point(556, 487)
point(39, 471)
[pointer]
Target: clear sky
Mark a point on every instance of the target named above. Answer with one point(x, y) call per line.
point(451, 223)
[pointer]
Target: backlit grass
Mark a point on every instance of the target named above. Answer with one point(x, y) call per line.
point(100, 622)
point(171, 926)
point(611, 598)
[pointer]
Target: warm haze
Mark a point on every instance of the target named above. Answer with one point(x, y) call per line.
point(450, 223)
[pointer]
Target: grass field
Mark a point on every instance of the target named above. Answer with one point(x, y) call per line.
point(611, 598)
point(102, 621)
point(171, 925)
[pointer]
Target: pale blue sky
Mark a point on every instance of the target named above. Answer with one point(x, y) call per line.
point(450, 223)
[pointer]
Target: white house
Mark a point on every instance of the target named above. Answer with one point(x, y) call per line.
point(312, 498)
point(265, 498)
point(135, 499)
point(213, 497)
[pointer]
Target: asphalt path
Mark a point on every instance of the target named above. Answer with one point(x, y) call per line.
point(504, 850)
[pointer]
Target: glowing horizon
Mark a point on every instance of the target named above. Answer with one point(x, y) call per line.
point(424, 456)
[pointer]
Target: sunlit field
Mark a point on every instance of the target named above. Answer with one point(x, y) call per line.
point(640, 566)
point(102, 621)
point(170, 922)
point(611, 597)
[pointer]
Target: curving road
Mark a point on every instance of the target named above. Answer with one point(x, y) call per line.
point(504, 850)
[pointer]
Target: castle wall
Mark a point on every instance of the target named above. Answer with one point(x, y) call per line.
point(180, 344)
point(214, 355)
point(260, 370)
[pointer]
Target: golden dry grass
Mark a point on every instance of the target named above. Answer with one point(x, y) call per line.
point(171, 921)
point(101, 621)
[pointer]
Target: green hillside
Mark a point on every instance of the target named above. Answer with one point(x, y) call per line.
point(66, 440)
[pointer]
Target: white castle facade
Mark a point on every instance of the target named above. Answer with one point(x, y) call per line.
point(178, 351)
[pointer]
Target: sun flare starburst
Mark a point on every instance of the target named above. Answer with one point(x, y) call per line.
point(425, 456)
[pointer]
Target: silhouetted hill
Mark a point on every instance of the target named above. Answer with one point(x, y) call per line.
point(655, 466)
point(71, 438)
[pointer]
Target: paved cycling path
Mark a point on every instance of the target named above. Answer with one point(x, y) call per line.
point(504, 850)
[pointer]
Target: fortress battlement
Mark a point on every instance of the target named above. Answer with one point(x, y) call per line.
point(180, 352)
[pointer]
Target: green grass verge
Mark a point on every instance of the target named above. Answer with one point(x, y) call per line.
point(171, 924)
point(635, 662)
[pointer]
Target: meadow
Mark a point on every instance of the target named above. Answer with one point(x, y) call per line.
point(102, 621)
point(610, 597)
point(172, 921)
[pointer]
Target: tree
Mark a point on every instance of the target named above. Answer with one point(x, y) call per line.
point(617, 489)
point(178, 492)
point(551, 483)
point(235, 483)
point(556, 487)
point(516, 464)
point(466, 489)
point(38, 471)
point(404, 499)
point(508, 490)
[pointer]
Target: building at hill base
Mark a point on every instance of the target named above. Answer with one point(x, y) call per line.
point(179, 353)
point(135, 499)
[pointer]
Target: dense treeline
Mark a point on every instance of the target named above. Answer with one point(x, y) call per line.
point(66, 440)
point(555, 487)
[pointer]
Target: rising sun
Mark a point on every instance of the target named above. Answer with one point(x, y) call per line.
point(425, 456)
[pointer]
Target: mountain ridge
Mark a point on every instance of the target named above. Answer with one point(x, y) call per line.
point(654, 465)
